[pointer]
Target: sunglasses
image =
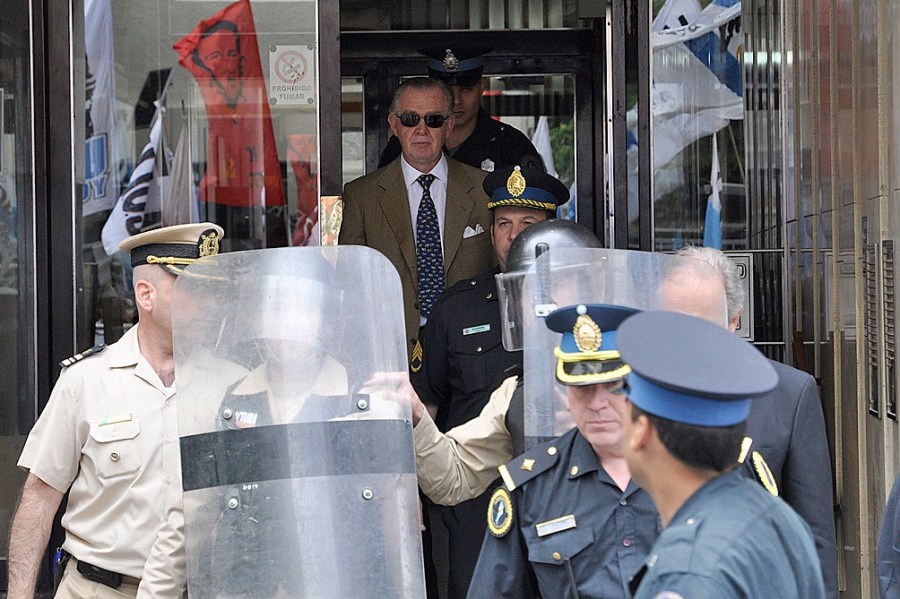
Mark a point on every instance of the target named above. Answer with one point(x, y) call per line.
point(411, 119)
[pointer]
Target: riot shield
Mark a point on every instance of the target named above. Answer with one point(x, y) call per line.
point(582, 276)
point(298, 471)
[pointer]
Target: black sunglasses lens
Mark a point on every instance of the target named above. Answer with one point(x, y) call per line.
point(410, 119)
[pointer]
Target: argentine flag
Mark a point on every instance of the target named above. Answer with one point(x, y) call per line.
point(712, 231)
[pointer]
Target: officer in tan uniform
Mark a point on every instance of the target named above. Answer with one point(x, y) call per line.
point(109, 437)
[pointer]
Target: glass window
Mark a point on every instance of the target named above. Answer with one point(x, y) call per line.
point(196, 110)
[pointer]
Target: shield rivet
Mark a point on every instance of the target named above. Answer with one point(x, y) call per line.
point(368, 494)
point(232, 503)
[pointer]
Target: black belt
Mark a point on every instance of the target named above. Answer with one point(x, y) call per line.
point(101, 575)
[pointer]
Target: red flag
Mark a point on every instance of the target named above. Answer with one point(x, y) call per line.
point(242, 162)
point(302, 156)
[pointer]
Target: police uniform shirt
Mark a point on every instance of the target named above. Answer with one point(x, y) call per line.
point(463, 358)
point(462, 463)
point(732, 538)
point(492, 144)
point(109, 432)
point(571, 519)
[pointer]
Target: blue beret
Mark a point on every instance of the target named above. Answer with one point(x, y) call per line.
point(587, 352)
point(692, 371)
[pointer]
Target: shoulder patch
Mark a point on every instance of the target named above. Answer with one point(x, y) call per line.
point(529, 465)
point(79, 357)
point(500, 513)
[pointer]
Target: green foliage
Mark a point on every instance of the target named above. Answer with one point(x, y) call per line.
point(562, 141)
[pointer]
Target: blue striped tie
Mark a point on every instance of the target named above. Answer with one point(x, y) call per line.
point(429, 260)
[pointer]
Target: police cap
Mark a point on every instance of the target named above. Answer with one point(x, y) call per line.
point(174, 247)
point(456, 66)
point(524, 187)
point(587, 352)
point(689, 370)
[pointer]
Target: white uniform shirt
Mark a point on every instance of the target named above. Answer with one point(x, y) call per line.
point(110, 433)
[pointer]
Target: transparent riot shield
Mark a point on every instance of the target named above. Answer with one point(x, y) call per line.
point(568, 276)
point(298, 470)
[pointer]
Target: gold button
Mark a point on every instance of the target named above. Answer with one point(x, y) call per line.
point(115, 456)
point(551, 450)
point(557, 556)
point(574, 470)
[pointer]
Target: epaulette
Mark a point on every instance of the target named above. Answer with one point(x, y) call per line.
point(756, 467)
point(528, 465)
point(79, 357)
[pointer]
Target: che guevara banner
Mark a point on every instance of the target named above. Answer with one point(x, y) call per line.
point(242, 162)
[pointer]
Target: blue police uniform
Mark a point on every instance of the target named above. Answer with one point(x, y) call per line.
point(568, 520)
point(889, 547)
point(733, 539)
point(730, 538)
point(560, 525)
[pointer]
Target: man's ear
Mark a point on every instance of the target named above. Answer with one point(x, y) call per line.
point(393, 123)
point(144, 294)
point(641, 433)
point(734, 322)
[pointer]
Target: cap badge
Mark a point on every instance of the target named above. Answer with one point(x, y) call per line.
point(451, 63)
point(209, 243)
point(515, 185)
point(587, 334)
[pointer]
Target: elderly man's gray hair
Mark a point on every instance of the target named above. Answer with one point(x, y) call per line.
point(731, 279)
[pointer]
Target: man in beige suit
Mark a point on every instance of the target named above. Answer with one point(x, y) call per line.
point(383, 210)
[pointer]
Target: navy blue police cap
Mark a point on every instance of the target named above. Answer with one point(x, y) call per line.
point(174, 247)
point(690, 370)
point(459, 66)
point(524, 187)
point(587, 353)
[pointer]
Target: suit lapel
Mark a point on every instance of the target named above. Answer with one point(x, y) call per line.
point(459, 207)
point(395, 206)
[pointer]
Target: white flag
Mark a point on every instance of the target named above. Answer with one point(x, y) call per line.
point(541, 141)
point(102, 138)
point(179, 206)
point(127, 216)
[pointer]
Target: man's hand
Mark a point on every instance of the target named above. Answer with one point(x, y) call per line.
point(397, 384)
point(29, 535)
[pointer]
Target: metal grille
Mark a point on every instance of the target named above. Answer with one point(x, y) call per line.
point(890, 400)
point(871, 328)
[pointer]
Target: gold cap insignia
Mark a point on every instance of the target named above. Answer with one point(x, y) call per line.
point(515, 185)
point(451, 63)
point(587, 334)
point(209, 243)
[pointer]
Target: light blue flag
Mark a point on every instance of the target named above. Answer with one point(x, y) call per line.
point(712, 231)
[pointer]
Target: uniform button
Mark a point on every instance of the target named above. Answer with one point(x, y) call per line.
point(168, 480)
point(551, 451)
point(489, 296)
point(690, 521)
point(574, 470)
point(478, 349)
point(557, 556)
point(623, 502)
point(472, 283)
point(168, 403)
point(627, 543)
point(168, 440)
point(115, 456)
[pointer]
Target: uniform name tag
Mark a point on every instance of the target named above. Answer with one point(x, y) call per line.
point(557, 525)
point(483, 328)
point(115, 419)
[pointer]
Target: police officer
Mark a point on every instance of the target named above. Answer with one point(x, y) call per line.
point(476, 139)
point(103, 438)
point(689, 397)
point(568, 520)
point(462, 359)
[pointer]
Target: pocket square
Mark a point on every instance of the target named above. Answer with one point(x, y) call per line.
point(470, 232)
